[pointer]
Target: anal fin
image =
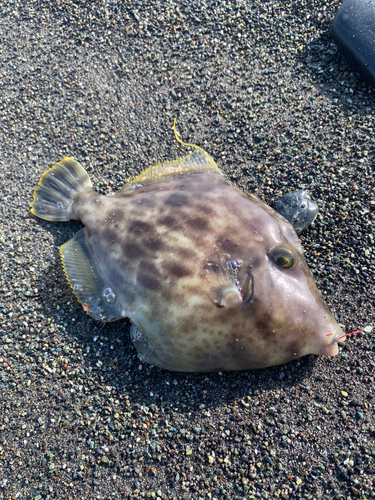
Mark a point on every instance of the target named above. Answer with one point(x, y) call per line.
point(98, 298)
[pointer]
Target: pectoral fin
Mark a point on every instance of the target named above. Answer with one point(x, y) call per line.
point(220, 284)
point(228, 283)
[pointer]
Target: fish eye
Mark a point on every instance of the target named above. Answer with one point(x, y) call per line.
point(283, 258)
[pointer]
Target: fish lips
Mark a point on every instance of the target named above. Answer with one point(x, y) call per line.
point(332, 348)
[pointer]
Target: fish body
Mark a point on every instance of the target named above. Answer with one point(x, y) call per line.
point(210, 278)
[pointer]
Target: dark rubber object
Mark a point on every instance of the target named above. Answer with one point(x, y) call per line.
point(298, 208)
point(353, 31)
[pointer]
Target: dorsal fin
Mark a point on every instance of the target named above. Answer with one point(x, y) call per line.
point(197, 162)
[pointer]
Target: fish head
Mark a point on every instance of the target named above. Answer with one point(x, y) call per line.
point(284, 305)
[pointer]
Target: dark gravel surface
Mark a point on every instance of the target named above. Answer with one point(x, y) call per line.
point(260, 86)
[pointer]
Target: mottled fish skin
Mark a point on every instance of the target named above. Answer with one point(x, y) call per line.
point(178, 254)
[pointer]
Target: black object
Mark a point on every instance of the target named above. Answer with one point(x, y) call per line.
point(298, 208)
point(353, 30)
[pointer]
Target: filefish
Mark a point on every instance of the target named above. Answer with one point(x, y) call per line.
point(210, 278)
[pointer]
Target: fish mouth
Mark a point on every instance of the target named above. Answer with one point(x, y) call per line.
point(332, 348)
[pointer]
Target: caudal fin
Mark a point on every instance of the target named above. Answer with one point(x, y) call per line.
point(57, 189)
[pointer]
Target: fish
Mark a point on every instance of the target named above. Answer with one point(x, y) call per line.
point(210, 278)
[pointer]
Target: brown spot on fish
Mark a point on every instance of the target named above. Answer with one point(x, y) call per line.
point(198, 223)
point(262, 323)
point(175, 269)
point(236, 341)
point(227, 245)
point(139, 226)
point(253, 263)
point(169, 294)
point(176, 200)
point(132, 250)
point(109, 236)
point(147, 267)
point(155, 245)
point(204, 209)
point(148, 282)
point(188, 326)
point(167, 221)
point(184, 253)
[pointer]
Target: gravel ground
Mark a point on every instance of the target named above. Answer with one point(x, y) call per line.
point(261, 86)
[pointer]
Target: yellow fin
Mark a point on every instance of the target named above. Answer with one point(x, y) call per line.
point(194, 163)
point(197, 162)
point(98, 299)
point(57, 189)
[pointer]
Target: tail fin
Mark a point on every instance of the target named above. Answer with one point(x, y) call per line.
point(57, 189)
